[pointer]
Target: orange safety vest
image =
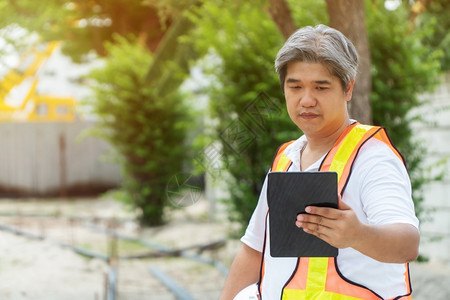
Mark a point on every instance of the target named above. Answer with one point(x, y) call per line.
point(319, 277)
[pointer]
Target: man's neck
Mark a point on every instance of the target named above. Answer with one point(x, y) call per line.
point(324, 143)
point(318, 146)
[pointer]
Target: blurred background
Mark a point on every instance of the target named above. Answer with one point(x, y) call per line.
point(135, 135)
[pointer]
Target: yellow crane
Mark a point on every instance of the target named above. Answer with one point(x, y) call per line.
point(33, 107)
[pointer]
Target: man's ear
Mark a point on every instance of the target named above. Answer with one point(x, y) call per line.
point(349, 90)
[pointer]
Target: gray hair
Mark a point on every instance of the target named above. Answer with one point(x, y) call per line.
point(319, 44)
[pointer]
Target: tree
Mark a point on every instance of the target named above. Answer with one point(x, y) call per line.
point(281, 14)
point(152, 134)
point(141, 112)
point(145, 127)
point(349, 18)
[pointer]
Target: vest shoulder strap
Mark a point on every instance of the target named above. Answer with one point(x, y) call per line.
point(281, 162)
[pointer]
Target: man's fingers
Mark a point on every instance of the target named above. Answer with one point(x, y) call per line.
point(327, 212)
point(319, 231)
point(319, 217)
point(311, 222)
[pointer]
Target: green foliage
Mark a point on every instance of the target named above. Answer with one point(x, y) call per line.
point(244, 70)
point(84, 25)
point(437, 16)
point(19, 18)
point(246, 99)
point(402, 68)
point(147, 129)
point(33, 15)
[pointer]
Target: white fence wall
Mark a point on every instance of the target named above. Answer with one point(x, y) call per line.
point(49, 159)
point(435, 134)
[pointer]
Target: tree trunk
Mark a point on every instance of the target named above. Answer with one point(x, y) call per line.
point(348, 16)
point(172, 49)
point(281, 14)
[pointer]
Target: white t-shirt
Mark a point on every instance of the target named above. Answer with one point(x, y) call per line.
point(379, 191)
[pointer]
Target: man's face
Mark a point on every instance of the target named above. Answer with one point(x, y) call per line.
point(315, 99)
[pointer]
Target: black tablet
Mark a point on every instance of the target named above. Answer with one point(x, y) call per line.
point(288, 194)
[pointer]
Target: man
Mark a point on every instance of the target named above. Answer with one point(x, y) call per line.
point(374, 228)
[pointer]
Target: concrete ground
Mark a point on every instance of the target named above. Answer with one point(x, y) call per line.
point(42, 270)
